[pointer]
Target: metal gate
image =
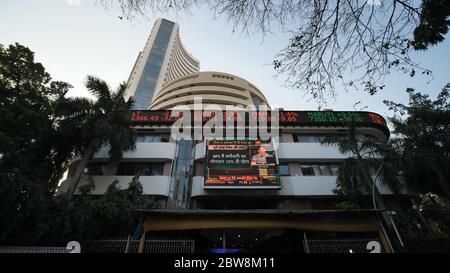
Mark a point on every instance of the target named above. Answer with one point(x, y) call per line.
point(127, 245)
point(169, 246)
point(339, 246)
point(33, 250)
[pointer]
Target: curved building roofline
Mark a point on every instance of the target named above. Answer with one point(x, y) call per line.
point(207, 85)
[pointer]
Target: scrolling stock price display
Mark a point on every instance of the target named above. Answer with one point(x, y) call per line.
point(285, 117)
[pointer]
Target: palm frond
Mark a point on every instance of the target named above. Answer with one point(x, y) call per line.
point(73, 106)
point(99, 88)
point(120, 91)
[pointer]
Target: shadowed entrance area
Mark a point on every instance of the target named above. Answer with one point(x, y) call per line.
point(253, 231)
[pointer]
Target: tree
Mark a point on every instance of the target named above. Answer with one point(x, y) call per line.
point(104, 122)
point(90, 217)
point(368, 162)
point(365, 158)
point(33, 154)
point(131, 8)
point(422, 140)
point(433, 24)
point(437, 211)
point(349, 42)
point(41, 132)
point(433, 219)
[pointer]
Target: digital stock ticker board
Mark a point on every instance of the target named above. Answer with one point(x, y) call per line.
point(285, 118)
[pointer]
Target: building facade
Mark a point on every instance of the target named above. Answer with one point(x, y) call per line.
point(213, 88)
point(285, 205)
point(163, 60)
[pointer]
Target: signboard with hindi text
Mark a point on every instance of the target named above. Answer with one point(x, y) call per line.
point(241, 164)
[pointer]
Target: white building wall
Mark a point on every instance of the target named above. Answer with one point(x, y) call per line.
point(144, 151)
point(151, 185)
point(308, 152)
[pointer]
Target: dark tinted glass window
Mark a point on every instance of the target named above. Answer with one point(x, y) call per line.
point(283, 169)
point(94, 169)
point(334, 168)
point(143, 169)
point(148, 138)
point(319, 169)
point(325, 170)
point(305, 138)
point(147, 83)
point(308, 170)
point(127, 169)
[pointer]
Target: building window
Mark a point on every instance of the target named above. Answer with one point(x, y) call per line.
point(324, 170)
point(152, 138)
point(148, 138)
point(94, 169)
point(313, 138)
point(158, 169)
point(334, 168)
point(141, 169)
point(308, 170)
point(306, 138)
point(320, 169)
point(283, 169)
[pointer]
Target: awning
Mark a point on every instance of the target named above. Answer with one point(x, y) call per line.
point(313, 220)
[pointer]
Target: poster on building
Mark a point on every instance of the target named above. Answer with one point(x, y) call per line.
point(241, 164)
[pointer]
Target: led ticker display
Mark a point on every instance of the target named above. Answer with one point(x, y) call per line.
point(330, 117)
point(154, 117)
point(241, 164)
point(167, 117)
point(285, 118)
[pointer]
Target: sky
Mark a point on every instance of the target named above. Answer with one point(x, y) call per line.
point(76, 38)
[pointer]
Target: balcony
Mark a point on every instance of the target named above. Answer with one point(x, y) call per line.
point(309, 152)
point(151, 185)
point(158, 151)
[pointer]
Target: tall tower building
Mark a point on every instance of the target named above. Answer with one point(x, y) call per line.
point(163, 60)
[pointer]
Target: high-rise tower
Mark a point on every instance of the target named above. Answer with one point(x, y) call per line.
point(163, 60)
